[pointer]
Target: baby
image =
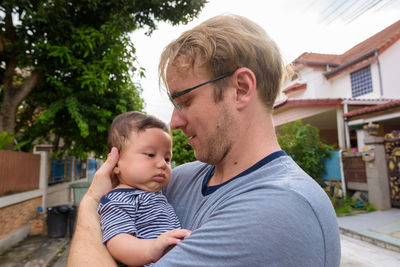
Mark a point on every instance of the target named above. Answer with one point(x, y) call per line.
point(137, 222)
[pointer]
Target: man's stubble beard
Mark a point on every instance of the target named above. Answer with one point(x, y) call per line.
point(219, 142)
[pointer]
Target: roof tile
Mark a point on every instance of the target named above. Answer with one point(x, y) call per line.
point(379, 41)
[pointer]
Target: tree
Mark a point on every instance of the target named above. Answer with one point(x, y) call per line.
point(67, 66)
point(304, 145)
point(182, 151)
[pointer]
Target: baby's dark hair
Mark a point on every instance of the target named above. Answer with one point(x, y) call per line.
point(123, 125)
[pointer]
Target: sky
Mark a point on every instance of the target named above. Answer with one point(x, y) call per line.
point(297, 26)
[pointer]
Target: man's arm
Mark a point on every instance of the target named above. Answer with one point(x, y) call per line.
point(133, 251)
point(87, 248)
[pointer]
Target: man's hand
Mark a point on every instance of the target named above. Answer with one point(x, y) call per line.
point(165, 242)
point(102, 183)
point(87, 248)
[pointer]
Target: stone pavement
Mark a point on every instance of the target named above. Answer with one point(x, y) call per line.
point(36, 251)
point(381, 228)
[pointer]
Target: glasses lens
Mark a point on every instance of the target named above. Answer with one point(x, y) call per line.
point(176, 105)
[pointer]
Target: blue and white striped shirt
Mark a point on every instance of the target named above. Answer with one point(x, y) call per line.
point(143, 214)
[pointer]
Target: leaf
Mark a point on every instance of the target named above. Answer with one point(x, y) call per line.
point(5, 139)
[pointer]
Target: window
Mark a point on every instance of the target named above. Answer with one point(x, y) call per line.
point(361, 82)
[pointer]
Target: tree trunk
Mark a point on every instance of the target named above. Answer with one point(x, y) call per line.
point(13, 96)
point(13, 93)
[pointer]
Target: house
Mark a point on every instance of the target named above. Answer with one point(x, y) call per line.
point(341, 94)
point(327, 88)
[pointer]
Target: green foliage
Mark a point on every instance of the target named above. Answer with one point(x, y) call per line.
point(87, 60)
point(346, 205)
point(303, 144)
point(5, 140)
point(182, 151)
point(349, 206)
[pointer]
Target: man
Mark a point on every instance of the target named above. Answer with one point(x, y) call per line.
point(248, 204)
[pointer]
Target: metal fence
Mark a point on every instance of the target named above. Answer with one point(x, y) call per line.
point(66, 170)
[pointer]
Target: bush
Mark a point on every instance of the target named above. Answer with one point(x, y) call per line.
point(303, 143)
point(182, 151)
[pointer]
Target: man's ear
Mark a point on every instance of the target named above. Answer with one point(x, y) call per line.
point(245, 83)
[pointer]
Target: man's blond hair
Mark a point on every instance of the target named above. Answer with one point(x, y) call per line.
point(223, 44)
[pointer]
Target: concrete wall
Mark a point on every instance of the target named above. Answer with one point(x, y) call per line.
point(14, 221)
point(390, 65)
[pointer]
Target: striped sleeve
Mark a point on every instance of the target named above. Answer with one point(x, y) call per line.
point(116, 218)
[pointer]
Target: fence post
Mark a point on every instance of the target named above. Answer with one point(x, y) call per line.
point(377, 175)
point(43, 178)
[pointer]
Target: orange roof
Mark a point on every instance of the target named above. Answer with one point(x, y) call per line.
point(288, 102)
point(295, 87)
point(308, 102)
point(315, 58)
point(378, 42)
point(366, 110)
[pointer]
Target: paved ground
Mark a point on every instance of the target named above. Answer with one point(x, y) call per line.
point(381, 228)
point(358, 253)
point(35, 251)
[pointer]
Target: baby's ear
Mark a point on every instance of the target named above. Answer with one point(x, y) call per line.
point(116, 170)
point(114, 180)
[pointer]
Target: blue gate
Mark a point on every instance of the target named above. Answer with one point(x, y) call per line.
point(332, 167)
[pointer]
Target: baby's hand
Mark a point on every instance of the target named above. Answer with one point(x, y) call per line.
point(166, 241)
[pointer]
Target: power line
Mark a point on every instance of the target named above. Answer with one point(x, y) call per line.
point(349, 10)
point(344, 10)
point(365, 9)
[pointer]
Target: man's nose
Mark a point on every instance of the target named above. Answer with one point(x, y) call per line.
point(177, 120)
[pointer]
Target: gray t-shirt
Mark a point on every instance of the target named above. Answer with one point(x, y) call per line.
point(272, 214)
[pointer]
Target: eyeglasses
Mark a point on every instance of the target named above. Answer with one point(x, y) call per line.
point(183, 92)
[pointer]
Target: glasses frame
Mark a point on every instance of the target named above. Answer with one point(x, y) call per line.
point(186, 91)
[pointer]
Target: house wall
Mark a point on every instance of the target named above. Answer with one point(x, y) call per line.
point(288, 115)
point(16, 216)
point(317, 85)
point(340, 86)
point(390, 65)
point(329, 136)
point(15, 221)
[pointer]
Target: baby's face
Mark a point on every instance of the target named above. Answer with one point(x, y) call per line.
point(145, 160)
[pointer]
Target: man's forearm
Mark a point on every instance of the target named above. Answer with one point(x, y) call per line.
point(87, 248)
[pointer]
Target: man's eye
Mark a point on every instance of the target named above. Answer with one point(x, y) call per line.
point(184, 103)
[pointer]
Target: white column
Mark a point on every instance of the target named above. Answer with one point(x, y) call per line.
point(360, 139)
point(43, 178)
point(340, 128)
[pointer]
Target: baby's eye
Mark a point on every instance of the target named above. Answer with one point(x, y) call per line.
point(150, 155)
point(167, 160)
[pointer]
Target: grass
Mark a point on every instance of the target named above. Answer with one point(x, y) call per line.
point(348, 206)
